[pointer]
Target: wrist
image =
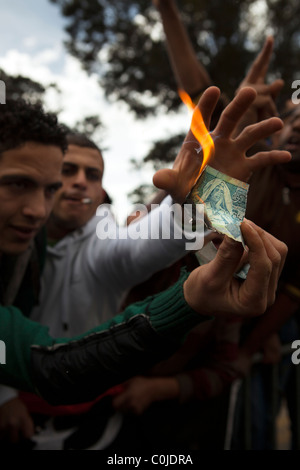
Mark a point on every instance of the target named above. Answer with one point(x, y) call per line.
point(165, 5)
point(166, 388)
point(191, 296)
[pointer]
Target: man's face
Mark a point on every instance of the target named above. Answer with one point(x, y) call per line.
point(216, 195)
point(289, 137)
point(82, 180)
point(29, 177)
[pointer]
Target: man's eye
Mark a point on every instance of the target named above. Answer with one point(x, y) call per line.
point(93, 176)
point(51, 191)
point(18, 185)
point(68, 170)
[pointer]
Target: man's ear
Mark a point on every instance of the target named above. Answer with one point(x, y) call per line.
point(105, 197)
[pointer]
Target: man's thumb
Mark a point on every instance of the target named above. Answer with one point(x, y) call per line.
point(228, 257)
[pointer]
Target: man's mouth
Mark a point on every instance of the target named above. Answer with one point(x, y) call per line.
point(24, 232)
point(77, 199)
point(293, 143)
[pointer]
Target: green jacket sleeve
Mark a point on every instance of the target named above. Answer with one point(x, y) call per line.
point(78, 369)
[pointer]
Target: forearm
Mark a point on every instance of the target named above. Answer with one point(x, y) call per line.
point(205, 382)
point(79, 369)
point(210, 379)
point(147, 245)
point(164, 388)
point(189, 72)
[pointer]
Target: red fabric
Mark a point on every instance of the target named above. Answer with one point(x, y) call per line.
point(36, 404)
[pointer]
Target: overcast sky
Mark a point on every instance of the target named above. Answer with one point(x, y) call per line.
point(32, 45)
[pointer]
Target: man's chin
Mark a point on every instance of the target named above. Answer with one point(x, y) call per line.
point(72, 223)
point(14, 249)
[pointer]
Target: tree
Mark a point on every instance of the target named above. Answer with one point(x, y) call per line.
point(119, 41)
point(284, 18)
point(162, 153)
point(123, 42)
point(22, 87)
point(19, 86)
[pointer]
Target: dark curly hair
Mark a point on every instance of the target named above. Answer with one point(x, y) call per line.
point(21, 122)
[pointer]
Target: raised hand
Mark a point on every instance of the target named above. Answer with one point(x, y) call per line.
point(264, 105)
point(229, 154)
point(15, 421)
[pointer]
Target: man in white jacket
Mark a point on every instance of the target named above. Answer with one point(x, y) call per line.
point(91, 261)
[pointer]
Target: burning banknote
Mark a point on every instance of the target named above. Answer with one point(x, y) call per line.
point(224, 200)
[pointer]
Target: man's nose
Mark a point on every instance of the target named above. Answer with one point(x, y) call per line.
point(80, 179)
point(36, 205)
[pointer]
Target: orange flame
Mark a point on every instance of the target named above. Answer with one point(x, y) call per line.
point(199, 129)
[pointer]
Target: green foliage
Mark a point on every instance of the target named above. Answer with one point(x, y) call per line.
point(22, 87)
point(118, 40)
point(162, 154)
point(164, 151)
point(284, 18)
point(89, 125)
point(142, 194)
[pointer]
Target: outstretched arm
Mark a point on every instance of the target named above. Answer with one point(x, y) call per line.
point(264, 105)
point(190, 74)
point(79, 369)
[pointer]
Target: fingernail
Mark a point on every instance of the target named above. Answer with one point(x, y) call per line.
point(250, 223)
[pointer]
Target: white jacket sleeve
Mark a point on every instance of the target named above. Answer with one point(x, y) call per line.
point(146, 246)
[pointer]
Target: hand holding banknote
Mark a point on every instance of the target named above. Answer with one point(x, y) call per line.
point(216, 280)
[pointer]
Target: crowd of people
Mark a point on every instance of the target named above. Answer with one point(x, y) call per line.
point(120, 342)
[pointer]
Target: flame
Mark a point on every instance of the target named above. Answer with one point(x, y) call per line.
point(199, 129)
